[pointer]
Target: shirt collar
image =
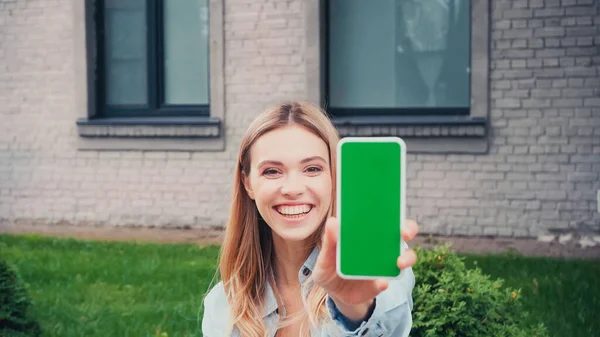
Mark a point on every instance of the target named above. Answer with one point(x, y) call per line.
point(270, 303)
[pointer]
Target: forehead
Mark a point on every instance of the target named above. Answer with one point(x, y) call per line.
point(289, 144)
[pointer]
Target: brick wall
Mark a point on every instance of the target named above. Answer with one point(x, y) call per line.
point(44, 178)
point(543, 168)
point(542, 171)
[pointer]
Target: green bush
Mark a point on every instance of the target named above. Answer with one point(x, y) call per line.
point(15, 315)
point(452, 300)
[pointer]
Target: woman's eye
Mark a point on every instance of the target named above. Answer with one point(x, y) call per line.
point(270, 172)
point(314, 169)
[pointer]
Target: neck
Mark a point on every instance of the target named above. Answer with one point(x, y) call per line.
point(288, 259)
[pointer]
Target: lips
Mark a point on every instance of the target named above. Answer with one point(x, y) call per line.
point(293, 210)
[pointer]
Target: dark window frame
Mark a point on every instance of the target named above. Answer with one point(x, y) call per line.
point(156, 89)
point(409, 112)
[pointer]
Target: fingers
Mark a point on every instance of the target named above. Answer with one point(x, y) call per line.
point(381, 285)
point(409, 229)
point(407, 259)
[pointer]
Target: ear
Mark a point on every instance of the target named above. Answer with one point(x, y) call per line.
point(246, 182)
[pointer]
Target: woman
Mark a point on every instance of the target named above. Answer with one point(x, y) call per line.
point(277, 263)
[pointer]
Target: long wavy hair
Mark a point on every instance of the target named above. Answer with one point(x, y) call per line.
point(246, 256)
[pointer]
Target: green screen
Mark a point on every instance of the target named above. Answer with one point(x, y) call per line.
point(370, 208)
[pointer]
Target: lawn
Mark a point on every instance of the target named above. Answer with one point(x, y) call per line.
point(564, 294)
point(84, 288)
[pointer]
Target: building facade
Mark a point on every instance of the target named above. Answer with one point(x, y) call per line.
point(131, 112)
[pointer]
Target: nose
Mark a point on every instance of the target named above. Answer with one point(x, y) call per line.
point(293, 186)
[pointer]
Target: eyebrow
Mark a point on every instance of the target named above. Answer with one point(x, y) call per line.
point(303, 161)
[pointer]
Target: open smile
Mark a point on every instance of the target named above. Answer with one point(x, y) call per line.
point(294, 211)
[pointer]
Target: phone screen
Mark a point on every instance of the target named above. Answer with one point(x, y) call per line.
point(370, 206)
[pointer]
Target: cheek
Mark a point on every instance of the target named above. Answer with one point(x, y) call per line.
point(323, 189)
point(265, 191)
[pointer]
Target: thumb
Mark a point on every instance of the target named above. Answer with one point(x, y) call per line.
point(330, 237)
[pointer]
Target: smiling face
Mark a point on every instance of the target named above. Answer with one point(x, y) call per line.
point(290, 181)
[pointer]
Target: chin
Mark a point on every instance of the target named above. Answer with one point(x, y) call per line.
point(295, 231)
point(295, 234)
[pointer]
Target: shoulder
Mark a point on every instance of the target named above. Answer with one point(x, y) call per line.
point(216, 311)
point(216, 300)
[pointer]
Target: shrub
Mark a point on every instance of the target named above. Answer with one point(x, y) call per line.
point(452, 300)
point(15, 315)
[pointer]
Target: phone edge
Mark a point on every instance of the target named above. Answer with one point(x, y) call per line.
point(342, 141)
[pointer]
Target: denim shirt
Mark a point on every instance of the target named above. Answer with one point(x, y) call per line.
point(391, 316)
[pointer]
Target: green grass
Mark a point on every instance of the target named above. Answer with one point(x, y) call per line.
point(563, 294)
point(81, 288)
point(86, 288)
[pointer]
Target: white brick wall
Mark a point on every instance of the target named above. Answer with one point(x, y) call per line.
point(543, 169)
point(44, 178)
point(542, 172)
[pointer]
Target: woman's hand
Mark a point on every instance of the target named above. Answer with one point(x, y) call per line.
point(354, 298)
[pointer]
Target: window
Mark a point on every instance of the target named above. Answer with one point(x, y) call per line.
point(416, 69)
point(389, 57)
point(153, 58)
point(146, 78)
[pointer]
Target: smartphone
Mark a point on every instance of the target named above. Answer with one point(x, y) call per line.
point(371, 181)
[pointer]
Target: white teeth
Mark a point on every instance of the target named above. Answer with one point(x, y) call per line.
point(293, 210)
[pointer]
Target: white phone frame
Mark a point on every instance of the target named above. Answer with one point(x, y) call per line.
point(343, 141)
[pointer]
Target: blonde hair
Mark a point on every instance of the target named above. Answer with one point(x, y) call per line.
point(246, 257)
